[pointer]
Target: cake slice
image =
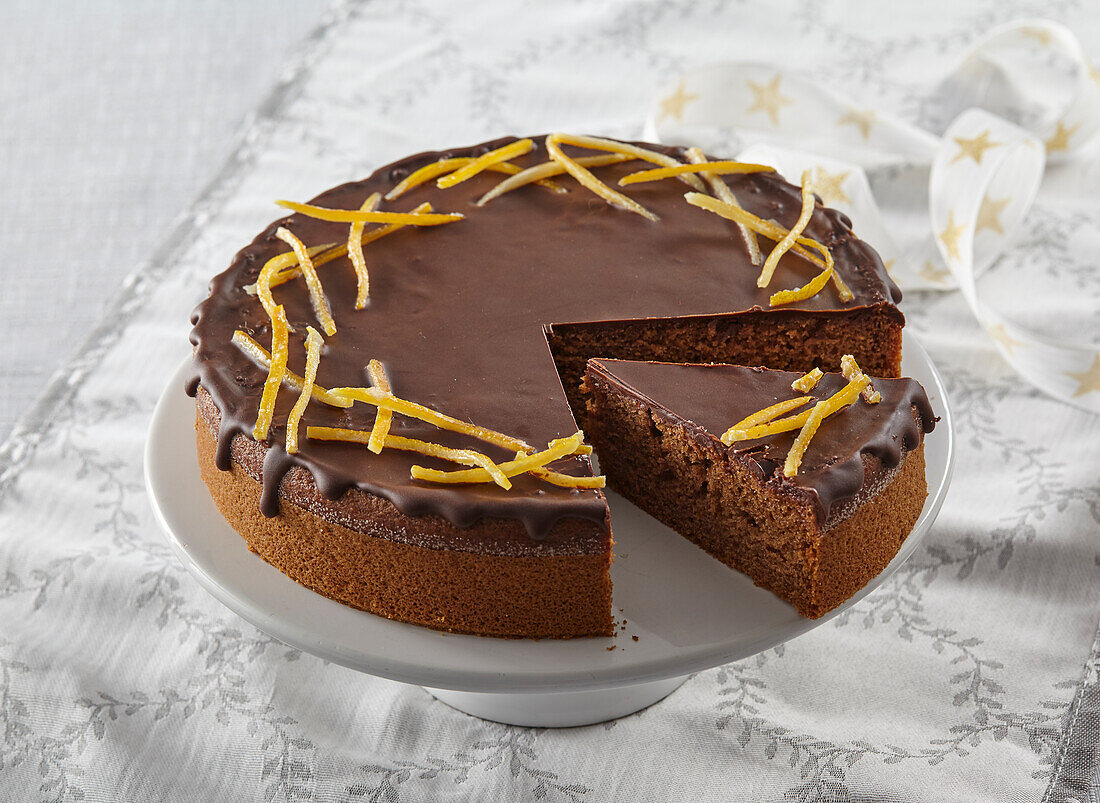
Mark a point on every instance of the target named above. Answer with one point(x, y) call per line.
point(814, 538)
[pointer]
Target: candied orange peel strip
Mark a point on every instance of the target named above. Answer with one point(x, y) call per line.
point(823, 409)
point(262, 358)
point(772, 231)
point(540, 172)
point(314, 341)
point(589, 181)
point(435, 169)
point(467, 457)
point(791, 237)
point(486, 160)
point(384, 417)
point(725, 194)
point(561, 447)
point(625, 148)
point(714, 168)
point(353, 215)
point(811, 288)
point(355, 252)
point(807, 381)
point(763, 417)
point(313, 281)
point(851, 370)
point(279, 349)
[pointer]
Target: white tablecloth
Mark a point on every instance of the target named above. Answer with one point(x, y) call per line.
point(973, 674)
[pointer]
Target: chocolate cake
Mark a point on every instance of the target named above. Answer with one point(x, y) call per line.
point(490, 319)
point(814, 538)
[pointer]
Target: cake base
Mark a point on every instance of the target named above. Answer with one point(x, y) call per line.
point(534, 596)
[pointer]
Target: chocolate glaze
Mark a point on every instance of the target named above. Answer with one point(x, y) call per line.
point(711, 398)
point(457, 316)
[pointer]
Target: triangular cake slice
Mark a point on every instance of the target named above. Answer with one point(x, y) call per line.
point(814, 538)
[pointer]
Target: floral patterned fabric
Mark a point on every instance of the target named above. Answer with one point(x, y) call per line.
point(973, 674)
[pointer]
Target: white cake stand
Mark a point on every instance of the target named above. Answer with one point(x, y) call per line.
point(688, 611)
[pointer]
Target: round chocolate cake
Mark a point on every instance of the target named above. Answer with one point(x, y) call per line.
point(489, 318)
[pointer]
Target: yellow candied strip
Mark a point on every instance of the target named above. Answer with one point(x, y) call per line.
point(557, 449)
point(281, 269)
point(384, 417)
point(763, 417)
point(540, 172)
point(380, 398)
point(811, 288)
point(838, 401)
point(645, 154)
point(589, 181)
point(714, 168)
point(336, 251)
point(772, 231)
point(851, 370)
point(353, 215)
point(260, 356)
point(807, 381)
point(486, 160)
point(568, 480)
point(355, 252)
point(313, 281)
point(279, 348)
point(725, 194)
point(428, 172)
point(467, 457)
point(314, 341)
point(791, 237)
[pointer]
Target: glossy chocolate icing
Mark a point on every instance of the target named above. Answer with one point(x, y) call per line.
point(709, 399)
point(458, 316)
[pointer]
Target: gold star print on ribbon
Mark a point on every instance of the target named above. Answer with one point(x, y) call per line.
point(673, 105)
point(1001, 335)
point(768, 98)
point(1038, 34)
point(989, 216)
point(1059, 140)
point(974, 147)
point(830, 186)
point(1088, 381)
point(950, 236)
point(933, 274)
point(863, 119)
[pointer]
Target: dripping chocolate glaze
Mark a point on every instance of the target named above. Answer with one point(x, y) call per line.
point(456, 315)
point(714, 397)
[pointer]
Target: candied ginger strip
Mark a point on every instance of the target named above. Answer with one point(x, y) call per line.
point(466, 457)
point(355, 252)
point(645, 154)
point(557, 449)
point(589, 181)
point(384, 417)
point(851, 370)
point(260, 356)
point(764, 416)
point(838, 401)
point(314, 341)
point(353, 215)
point(714, 168)
point(540, 172)
point(313, 281)
point(807, 381)
point(486, 160)
point(725, 194)
point(279, 349)
point(791, 237)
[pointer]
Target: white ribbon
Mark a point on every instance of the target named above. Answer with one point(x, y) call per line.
point(1023, 86)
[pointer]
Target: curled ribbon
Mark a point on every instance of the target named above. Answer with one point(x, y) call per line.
point(998, 131)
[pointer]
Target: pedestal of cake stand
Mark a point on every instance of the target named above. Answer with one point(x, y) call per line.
point(564, 709)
